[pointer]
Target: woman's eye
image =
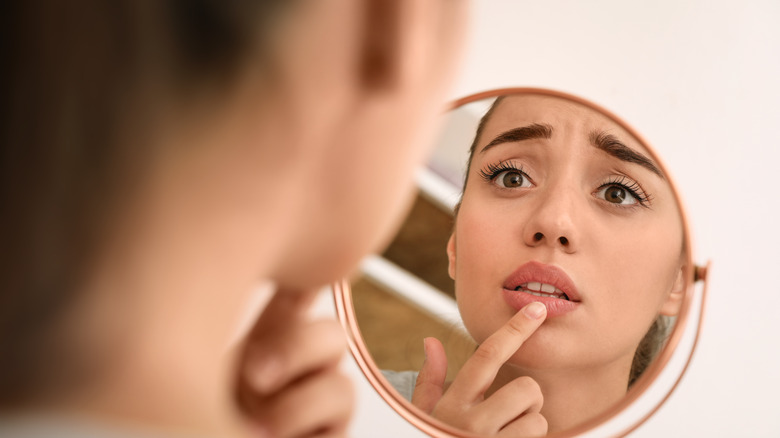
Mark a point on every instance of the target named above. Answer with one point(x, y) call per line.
point(616, 194)
point(511, 179)
point(506, 175)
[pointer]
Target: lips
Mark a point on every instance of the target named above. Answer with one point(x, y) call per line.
point(547, 284)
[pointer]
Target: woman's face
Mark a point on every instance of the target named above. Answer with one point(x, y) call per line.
point(562, 200)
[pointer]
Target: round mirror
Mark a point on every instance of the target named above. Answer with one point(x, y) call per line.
point(531, 196)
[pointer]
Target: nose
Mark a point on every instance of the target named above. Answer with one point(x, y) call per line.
point(552, 224)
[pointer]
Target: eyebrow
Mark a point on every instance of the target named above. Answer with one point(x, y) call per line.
point(599, 139)
point(611, 145)
point(530, 132)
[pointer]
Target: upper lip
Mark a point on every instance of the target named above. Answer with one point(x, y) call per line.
point(542, 273)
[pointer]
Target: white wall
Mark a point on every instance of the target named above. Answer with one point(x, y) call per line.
point(701, 81)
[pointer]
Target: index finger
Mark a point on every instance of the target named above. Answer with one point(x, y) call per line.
point(480, 370)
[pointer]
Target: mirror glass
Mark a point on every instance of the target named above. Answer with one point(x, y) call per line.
point(530, 196)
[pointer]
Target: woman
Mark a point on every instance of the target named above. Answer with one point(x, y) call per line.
point(161, 159)
point(567, 248)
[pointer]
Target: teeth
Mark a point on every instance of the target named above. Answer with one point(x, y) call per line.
point(537, 287)
point(538, 294)
point(542, 290)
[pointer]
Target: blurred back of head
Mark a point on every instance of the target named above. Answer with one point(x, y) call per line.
point(84, 85)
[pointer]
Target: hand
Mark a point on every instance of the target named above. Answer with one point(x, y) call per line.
point(512, 411)
point(290, 384)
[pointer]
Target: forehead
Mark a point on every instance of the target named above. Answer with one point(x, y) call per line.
point(572, 119)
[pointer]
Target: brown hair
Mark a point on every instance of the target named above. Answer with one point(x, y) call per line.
point(82, 85)
point(656, 336)
point(649, 347)
point(472, 148)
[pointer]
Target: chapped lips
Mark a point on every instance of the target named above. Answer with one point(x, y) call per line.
point(546, 281)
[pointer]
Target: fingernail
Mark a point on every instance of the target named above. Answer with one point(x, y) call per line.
point(535, 310)
point(266, 374)
point(425, 348)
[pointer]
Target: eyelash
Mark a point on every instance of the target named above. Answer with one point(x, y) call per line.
point(631, 186)
point(492, 170)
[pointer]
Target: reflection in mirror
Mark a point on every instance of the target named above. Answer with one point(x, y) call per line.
point(531, 197)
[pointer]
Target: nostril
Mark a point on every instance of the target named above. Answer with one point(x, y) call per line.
point(564, 241)
point(538, 236)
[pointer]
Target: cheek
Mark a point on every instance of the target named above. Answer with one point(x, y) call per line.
point(366, 202)
point(638, 269)
point(652, 257)
point(483, 257)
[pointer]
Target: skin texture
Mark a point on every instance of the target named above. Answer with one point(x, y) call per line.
point(625, 260)
point(291, 183)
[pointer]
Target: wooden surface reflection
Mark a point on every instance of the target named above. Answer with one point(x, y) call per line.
point(394, 329)
point(420, 245)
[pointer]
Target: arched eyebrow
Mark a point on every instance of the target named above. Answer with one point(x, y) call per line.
point(530, 132)
point(611, 145)
point(599, 139)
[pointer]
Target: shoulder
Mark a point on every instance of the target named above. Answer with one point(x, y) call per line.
point(402, 381)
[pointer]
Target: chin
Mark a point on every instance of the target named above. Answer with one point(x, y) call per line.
point(317, 269)
point(542, 356)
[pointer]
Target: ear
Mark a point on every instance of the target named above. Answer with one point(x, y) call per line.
point(451, 256)
point(381, 44)
point(404, 39)
point(671, 307)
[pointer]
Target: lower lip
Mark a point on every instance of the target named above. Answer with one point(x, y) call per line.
point(555, 306)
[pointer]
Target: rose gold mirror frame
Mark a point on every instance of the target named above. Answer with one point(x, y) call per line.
point(692, 273)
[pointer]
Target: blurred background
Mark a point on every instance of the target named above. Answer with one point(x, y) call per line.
point(700, 80)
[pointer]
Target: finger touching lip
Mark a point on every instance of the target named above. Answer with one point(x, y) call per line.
point(546, 284)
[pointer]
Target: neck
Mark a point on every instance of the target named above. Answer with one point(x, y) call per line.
point(166, 364)
point(572, 397)
point(136, 396)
